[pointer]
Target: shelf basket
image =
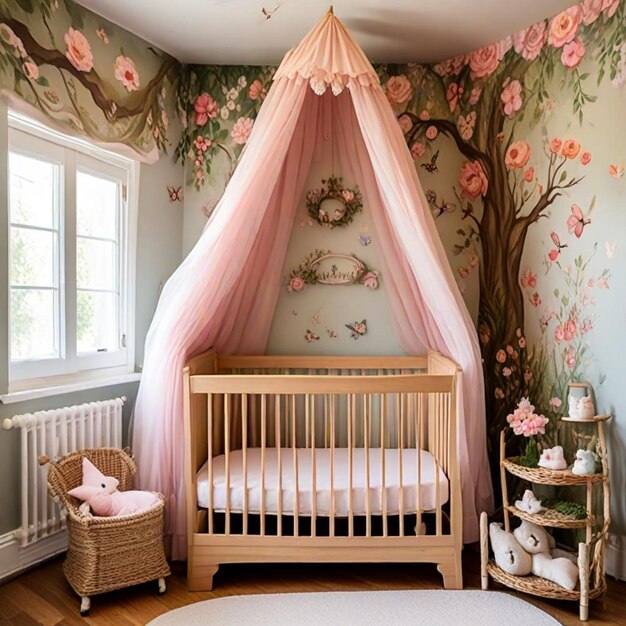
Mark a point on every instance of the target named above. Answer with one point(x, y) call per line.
point(552, 518)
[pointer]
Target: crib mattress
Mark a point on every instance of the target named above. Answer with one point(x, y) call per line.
point(428, 491)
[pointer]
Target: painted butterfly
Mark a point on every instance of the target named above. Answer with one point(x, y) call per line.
point(431, 166)
point(331, 333)
point(467, 211)
point(310, 336)
point(358, 329)
point(576, 222)
point(553, 255)
point(365, 240)
point(610, 248)
point(175, 194)
point(616, 171)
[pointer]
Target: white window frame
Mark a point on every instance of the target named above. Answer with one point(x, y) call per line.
point(33, 139)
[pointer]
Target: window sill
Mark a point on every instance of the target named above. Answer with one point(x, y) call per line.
point(22, 395)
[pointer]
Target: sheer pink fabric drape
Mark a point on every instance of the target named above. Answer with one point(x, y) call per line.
point(224, 294)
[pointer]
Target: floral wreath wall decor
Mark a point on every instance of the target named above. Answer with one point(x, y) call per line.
point(333, 189)
point(328, 268)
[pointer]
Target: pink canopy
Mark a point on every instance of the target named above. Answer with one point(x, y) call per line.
point(224, 294)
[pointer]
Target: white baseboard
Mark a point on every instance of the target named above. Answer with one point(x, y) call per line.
point(616, 556)
point(14, 558)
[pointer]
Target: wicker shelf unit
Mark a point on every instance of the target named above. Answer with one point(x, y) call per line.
point(591, 552)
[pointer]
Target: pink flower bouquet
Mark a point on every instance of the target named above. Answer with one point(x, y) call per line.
point(524, 421)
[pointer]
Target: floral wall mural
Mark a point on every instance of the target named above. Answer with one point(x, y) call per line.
point(514, 146)
point(86, 76)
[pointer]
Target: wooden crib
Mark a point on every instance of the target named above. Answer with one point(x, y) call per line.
point(321, 459)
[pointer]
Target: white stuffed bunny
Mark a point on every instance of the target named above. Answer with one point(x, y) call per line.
point(529, 503)
point(533, 538)
point(553, 458)
point(585, 463)
point(508, 553)
point(560, 570)
point(585, 408)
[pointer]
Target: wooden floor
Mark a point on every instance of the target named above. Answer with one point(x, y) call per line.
point(42, 596)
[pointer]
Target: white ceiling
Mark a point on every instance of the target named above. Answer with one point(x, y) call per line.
point(236, 31)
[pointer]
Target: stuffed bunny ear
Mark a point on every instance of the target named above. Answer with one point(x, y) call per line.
point(92, 476)
point(84, 492)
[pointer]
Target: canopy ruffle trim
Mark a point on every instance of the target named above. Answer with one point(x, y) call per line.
point(328, 57)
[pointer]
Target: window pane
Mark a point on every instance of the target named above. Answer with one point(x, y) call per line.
point(33, 190)
point(96, 206)
point(33, 323)
point(97, 321)
point(96, 264)
point(33, 257)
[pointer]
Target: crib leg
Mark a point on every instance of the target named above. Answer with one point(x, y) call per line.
point(200, 574)
point(452, 573)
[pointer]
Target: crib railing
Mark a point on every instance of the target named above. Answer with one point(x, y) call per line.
point(372, 407)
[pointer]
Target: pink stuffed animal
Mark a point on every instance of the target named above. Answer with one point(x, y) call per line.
point(101, 494)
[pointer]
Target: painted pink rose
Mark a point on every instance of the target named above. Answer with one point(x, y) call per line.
point(206, 108)
point(370, 280)
point(256, 90)
point(555, 145)
point(399, 89)
point(242, 129)
point(483, 62)
point(585, 158)
point(473, 180)
point(506, 371)
point(405, 124)
point(296, 284)
point(517, 155)
point(431, 132)
point(501, 356)
point(424, 115)
point(511, 97)
point(30, 69)
point(530, 41)
point(499, 393)
point(591, 10)
point(529, 174)
point(348, 196)
point(570, 358)
point(78, 50)
point(570, 149)
point(417, 149)
point(126, 72)
point(555, 402)
point(564, 26)
point(572, 53)
point(521, 342)
point(610, 6)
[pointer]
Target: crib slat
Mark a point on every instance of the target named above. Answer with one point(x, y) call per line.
point(311, 400)
point(296, 482)
point(419, 416)
point(383, 415)
point(279, 520)
point(209, 413)
point(350, 464)
point(263, 445)
point(331, 402)
point(367, 417)
point(400, 409)
point(227, 458)
point(244, 447)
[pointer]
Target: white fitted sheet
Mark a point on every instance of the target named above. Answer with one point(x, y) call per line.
point(428, 494)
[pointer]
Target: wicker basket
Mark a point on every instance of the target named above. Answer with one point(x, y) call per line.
point(108, 553)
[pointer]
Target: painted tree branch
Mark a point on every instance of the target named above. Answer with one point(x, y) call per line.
point(91, 80)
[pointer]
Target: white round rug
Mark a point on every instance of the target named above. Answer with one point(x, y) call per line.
point(365, 608)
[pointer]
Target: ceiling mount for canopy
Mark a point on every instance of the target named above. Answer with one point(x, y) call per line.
point(328, 57)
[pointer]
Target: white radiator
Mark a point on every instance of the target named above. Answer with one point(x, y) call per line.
point(55, 433)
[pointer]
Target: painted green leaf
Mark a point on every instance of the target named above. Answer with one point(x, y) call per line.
point(563, 176)
point(26, 5)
